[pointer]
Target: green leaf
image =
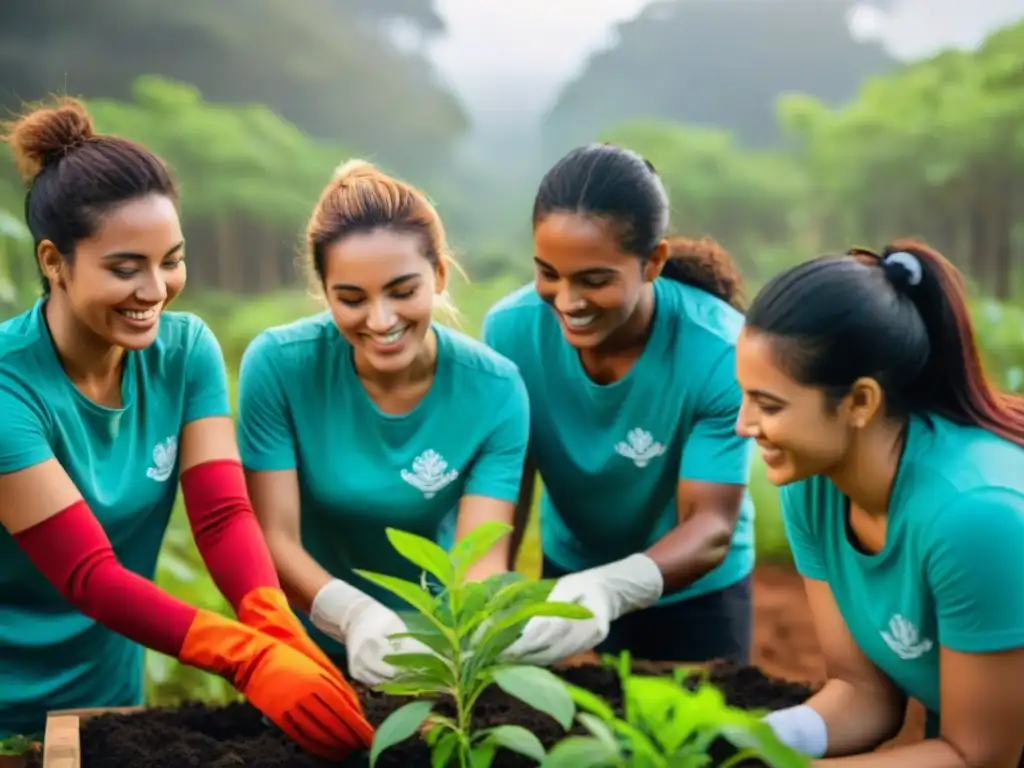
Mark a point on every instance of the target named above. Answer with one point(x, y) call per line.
point(413, 594)
point(579, 751)
point(475, 545)
point(399, 726)
point(482, 755)
point(539, 689)
point(412, 687)
point(422, 662)
point(590, 702)
point(444, 749)
point(599, 730)
point(515, 738)
point(422, 552)
point(521, 615)
point(758, 737)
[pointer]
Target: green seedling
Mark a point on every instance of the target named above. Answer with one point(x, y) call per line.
point(466, 626)
point(19, 746)
point(665, 725)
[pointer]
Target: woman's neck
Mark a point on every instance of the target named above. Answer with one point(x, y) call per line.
point(868, 475)
point(632, 335)
point(87, 360)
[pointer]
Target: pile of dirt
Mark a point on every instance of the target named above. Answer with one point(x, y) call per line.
point(234, 736)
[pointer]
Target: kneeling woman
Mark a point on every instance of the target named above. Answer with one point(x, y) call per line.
point(627, 348)
point(903, 499)
point(371, 415)
point(108, 399)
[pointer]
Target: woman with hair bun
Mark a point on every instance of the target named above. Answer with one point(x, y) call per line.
point(373, 415)
point(109, 400)
point(902, 475)
point(626, 342)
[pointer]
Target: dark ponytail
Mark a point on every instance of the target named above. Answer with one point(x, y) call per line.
point(706, 265)
point(900, 317)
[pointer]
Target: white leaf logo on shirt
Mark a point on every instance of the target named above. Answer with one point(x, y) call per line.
point(429, 474)
point(904, 639)
point(164, 456)
point(640, 447)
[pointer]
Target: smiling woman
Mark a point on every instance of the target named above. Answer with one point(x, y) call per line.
point(373, 415)
point(625, 340)
point(902, 474)
point(109, 401)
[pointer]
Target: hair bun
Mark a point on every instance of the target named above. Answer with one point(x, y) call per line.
point(48, 134)
point(355, 168)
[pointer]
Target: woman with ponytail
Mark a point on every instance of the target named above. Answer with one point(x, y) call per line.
point(902, 474)
point(109, 400)
point(373, 415)
point(626, 342)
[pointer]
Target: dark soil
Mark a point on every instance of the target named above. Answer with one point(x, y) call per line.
point(235, 735)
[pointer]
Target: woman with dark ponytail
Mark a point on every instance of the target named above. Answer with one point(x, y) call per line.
point(902, 474)
point(626, 342)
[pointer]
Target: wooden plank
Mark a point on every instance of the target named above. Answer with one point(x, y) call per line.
point(61, 748)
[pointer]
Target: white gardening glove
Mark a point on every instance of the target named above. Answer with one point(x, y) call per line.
point(608, 591)
point(363, 625)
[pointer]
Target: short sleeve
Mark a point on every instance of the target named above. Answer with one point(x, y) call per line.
point(713, 452)
point(206, 378)
point(266, 439)
point(975, 570)
point(797, 513)
point(24, 440)
point(497, 471)
point(490, 332)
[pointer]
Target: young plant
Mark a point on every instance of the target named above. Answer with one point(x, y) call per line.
point(467, 626)
point(20, 746)
point(665, 725)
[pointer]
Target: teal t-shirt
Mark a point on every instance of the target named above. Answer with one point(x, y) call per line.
point(360, 470)
point(951, 572)
point(124, 462)
point(611, 456)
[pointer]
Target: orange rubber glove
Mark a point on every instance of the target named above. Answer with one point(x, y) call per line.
point(297, 694)
point(266, 609)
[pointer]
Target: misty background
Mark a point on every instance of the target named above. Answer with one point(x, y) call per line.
point(782, 128)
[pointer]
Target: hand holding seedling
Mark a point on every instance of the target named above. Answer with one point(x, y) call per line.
point(365, 627)
point(608, 592)
point(466, 628)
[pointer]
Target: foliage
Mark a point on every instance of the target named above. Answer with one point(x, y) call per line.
point(742, 198)
point(466, 627)
point(664, 725)
point(328, 66)
point(935, 149)
point(20, 746)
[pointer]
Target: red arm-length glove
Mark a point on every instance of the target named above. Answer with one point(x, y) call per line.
point(231, 543)
point(298, 695)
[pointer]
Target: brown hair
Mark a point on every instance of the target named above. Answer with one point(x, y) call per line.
point(361, 198)
point(900, 316)
point(75, 175)
point(704, 264)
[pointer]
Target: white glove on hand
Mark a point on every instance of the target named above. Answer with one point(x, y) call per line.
point(363, 625)
point(608, 591)
point(801, 729)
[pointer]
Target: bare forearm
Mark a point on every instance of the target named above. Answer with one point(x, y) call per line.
point(301, 576)
point(858, 719)
point(933, 753)
point(692, 549)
